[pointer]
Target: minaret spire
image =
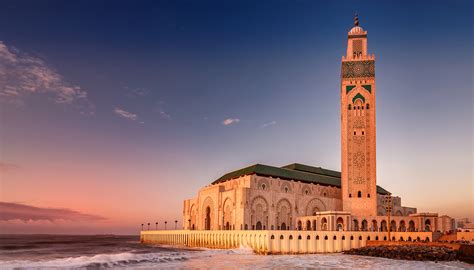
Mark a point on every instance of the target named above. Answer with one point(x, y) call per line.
point(356, 19)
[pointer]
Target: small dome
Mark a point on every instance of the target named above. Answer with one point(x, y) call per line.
point(356, 30)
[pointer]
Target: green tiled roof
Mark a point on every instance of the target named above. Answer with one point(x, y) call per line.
point(311, 169)
point(295, 171)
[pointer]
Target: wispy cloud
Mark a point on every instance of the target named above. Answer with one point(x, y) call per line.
point(159, 107)
point(125, 114)
point(136, 92)
point(6, 167)
point(22, 75)
point(272, 123)
point(165, 115)
point(230, 121)
point(16, 211)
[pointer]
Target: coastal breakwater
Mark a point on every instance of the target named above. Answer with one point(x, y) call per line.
point(418, 251)
point(277, 241)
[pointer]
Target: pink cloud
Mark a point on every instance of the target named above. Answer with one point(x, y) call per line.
point(230, 121)
point(6, 167)
point(15, 211)
point(125, 114)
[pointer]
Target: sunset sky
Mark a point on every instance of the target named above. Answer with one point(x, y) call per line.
point(111, 114)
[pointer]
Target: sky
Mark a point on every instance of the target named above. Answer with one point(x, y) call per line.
point(112, 113)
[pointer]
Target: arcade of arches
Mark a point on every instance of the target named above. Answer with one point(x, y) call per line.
point(254, 202)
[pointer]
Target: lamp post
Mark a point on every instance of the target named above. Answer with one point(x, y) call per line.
point(156, 226)
point(142, 226)
point(175, 224)
point(166, 222)
point(388, 209)
point(148, 225)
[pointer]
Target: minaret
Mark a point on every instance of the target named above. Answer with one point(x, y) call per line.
point(359, 189)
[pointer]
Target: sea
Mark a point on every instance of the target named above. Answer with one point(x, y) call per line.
point(126, 252)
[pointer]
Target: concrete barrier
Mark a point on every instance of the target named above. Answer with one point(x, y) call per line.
point(277, 242)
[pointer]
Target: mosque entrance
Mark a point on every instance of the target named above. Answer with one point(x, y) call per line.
point(283, 226)
point(427, 225)
point(208, 218)
point(258, 226)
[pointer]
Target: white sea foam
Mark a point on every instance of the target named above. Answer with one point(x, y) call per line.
point(98, 261)
point(241, 258)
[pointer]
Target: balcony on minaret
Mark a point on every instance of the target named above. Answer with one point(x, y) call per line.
point(352, 58)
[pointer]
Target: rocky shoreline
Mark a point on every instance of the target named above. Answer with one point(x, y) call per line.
point(414, 253)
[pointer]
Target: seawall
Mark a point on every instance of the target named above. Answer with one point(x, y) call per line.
point(277, 242)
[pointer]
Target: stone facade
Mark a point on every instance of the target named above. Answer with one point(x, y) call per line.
point(254, 202)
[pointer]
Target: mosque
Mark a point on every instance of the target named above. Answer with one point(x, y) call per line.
point(308, 198)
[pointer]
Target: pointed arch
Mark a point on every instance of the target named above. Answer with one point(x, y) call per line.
point(259, 212)
point(315, 205)
point(228, 213)
point(358, 96)
point(283, 214)
point(208, 212)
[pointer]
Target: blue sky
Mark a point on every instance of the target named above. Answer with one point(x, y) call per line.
point(138, 94)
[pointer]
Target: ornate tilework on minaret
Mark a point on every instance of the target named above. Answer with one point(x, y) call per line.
point(358, 167)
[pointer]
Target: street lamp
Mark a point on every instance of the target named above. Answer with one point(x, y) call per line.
point(175, 224)
point(142, 226)
point(156, 226)
point(148, 225)
point(166, 222)
point(388, 209)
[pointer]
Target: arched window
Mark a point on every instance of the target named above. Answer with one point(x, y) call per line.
point(263, 186)
point(350, 195)
point(362, 132)
point(286, 189)
point(349, 107)
point(367, 106)
point(282, 237)
point(368, 195)
point(334, 238)
point(359, 194)
point(272, 237)
point(291, 237)
point(354, 133)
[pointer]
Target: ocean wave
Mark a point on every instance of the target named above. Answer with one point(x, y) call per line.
point(97, 261)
